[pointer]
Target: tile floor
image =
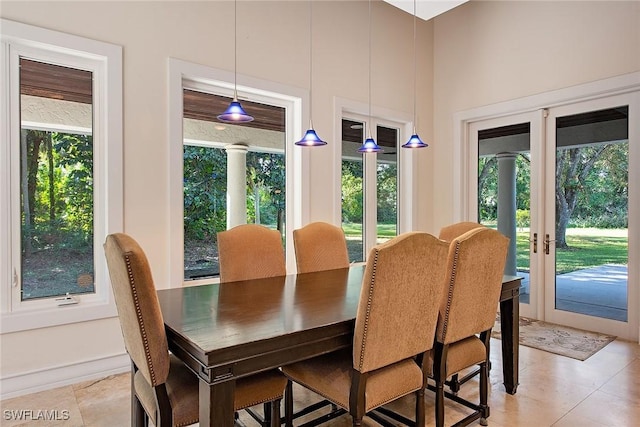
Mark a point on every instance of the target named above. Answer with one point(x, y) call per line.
point(554, 391)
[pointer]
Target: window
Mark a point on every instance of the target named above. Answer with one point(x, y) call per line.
point(369, 186)
point(61, 176)
point(233, 174)
point(256, 188)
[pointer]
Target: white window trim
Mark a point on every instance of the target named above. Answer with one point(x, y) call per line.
point(220, 82)
point(407, 160)
point(105, 61)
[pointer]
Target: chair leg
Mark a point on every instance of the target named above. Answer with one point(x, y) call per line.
point(267, 413)
point(288, 404)
point(420, 416)
point(274, 414)
point(439, 403)
point(484, 392)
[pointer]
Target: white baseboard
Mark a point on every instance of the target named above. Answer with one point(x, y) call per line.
point(59, 376)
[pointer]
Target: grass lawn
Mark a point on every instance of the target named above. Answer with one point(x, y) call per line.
point(384, 230)
point(588, 247)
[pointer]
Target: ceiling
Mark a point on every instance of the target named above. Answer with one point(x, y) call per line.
point(426, 9)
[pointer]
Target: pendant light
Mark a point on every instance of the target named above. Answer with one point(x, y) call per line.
point(414, 141)
point(369, 145)
point(310, 138)
point(235, 113)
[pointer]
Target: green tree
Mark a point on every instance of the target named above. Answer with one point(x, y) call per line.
point(267, 171)
point(352, 192)
point(387, 193)
point(205, 189)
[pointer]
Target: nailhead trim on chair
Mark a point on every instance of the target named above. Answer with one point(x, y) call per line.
point(366, 318)
point(140, 320)
point(257, 402)
point(450, 291)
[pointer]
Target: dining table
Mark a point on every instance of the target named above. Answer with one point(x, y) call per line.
point(226, 331)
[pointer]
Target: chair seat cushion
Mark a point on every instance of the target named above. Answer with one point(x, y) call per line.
point(462, 354)
point(330, 376)
point(182, 389)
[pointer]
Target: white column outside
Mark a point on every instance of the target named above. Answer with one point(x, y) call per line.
point(236, 184)
point(507, 205)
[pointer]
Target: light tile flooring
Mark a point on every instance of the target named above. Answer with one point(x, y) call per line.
point(554, 391)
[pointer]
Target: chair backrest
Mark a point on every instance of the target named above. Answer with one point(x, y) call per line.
point(250, 251)
point(450, 232)
point(401, 291)
point(138, 307)
point(475, 267)
point(320, 246)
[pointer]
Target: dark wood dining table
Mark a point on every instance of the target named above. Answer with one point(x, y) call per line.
point(231, 330)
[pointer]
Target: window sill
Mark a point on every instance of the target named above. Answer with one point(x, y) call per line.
point(55, 316)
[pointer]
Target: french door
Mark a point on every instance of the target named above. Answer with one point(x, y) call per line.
point(586, 215)
point(557, 182)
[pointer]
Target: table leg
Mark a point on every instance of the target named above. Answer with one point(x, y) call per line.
point(510, 327)
point(216, 404)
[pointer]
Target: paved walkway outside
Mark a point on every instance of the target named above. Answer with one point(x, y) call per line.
point(598, 291)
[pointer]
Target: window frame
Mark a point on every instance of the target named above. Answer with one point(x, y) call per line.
point(187, 75)
point(104, 60)
point(406, 165)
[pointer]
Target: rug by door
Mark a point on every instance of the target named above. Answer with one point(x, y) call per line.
point(562, 340)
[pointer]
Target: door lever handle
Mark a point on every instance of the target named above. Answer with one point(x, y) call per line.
point(547, 242)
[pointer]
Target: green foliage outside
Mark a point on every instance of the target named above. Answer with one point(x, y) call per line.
point(56, 214)
point(205, 189)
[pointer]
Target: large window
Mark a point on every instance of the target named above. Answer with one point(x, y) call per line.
point(369, 187)
point(56, 181)
point(61, 175)
point(233, 174)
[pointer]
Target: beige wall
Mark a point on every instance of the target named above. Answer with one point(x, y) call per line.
point(491, 51)
point(272, 45)
point(477, 54)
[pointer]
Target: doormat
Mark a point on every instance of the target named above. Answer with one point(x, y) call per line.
point(558, 339)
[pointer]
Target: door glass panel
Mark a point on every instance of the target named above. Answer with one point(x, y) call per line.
point(504, 193)
point(387, 184)
point(592, 164)
point(56, 180)
point(352, 188)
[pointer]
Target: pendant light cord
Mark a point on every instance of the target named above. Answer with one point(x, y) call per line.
point(369, 124)
point(415, 114)
point(235, 49)
point(310, 63)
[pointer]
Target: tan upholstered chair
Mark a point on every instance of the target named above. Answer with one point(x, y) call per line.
point(320, 246)
point(163, 389)
point(250, 251)
point(395, 323)
point(475, 268)
point(450, 232)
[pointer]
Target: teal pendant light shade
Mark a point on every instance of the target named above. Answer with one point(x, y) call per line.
point(234, 112)
point(414, 141)
point(310, 138)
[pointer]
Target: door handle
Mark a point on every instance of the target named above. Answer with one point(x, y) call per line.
point(547, 243)
point(535, 243)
